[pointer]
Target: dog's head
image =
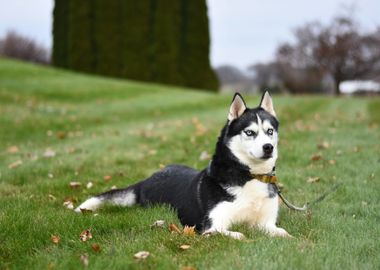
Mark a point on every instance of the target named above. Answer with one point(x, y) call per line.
point(252, 134)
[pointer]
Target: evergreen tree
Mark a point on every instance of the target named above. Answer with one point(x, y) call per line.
point(151, 40)
point(60, 30)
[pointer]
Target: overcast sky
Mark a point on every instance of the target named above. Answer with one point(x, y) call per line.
point(242, 31)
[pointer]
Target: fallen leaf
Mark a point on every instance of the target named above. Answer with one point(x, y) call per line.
point(152, 152)
point(61, 135)
point(141, 255)
point(188, 268)
point(199, 127)
point(85, 235)
point(313, 180)
point(113, 187)
point(184, 247)
point(85, 211)
point(316, 157)
point(204, 156)
point(323, 145)
point(89, 185)
point(96, 247)
point(189, 230)
point(55, 239)
point(12, 149)
point(107, 178)
point(332, 161)
point(75, 184)
point(68, 203)
point(51, 197)
point(158, 224)
point(174, 228)
point(49, 153)
point(84, 259)
point(15, 164)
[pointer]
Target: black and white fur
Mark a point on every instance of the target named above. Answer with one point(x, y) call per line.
point(223, 193)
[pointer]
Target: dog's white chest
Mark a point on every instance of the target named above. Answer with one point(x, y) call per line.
point(252, 204)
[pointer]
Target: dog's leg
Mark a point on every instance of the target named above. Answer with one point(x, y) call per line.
point(120, 197)
point(221, 218)
point(268, 217)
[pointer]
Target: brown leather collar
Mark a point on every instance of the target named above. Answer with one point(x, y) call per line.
point(266, 178)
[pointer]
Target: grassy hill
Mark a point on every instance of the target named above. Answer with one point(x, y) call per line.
point(58, 127)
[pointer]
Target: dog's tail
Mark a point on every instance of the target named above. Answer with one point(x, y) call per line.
point(121, 197)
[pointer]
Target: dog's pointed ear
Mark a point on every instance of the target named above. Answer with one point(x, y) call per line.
point(237, 107)
point(267, 103)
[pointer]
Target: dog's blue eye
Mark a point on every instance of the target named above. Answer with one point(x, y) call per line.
point(270, 131)
point(249, 132)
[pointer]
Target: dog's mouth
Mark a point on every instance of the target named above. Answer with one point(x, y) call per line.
point(266, 156)
point(263, 157)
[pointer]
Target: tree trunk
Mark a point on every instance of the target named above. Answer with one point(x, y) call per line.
point(337, 84)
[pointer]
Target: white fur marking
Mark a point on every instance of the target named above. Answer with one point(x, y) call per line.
point(252, 205)
point(90, 204)
point(127, 200)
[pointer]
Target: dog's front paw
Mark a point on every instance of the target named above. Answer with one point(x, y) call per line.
point(279, 232)
point(235, 235)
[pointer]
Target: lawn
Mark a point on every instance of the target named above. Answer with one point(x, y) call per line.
point(58, 127)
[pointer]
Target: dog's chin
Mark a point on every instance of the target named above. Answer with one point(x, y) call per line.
point(266, 157)
point(262, 158)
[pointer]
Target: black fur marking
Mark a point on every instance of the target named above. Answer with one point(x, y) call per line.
point(193, 194)
point(272, 190)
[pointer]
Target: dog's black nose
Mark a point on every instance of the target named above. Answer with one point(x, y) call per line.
point(268, 148)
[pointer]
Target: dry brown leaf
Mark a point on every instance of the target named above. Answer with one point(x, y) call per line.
point(316, 157)
point(204, 156)
point(61, 135)
point(158, 224)
point(75, 184)
point(96, 247)
point(189, 230)
point(85, 211)
point(15, 164)
point(184, 247)
point(89, 185)
point(323, 145)
point(69, 203)
point(55, 239)
point(199, 128)
point(84, 259)
point(141, 255)
point(188, 268)
point(85, 235)
point(12, 149)
point(152, 152)
point(174, 228)
point(313, 180)
point(332, 161)
point(107, 178)
point(49, 153)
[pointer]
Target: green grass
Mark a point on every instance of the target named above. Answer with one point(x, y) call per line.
point(126, 129)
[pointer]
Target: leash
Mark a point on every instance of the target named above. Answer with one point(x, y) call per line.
point(272, 179)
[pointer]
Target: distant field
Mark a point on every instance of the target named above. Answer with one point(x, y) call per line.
point(58, 127)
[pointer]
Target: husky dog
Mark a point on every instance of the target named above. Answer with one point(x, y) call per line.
point(225, 192)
